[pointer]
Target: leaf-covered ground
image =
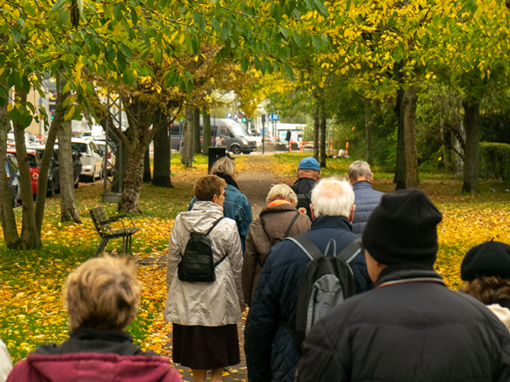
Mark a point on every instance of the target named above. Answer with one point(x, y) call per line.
point(31, 310)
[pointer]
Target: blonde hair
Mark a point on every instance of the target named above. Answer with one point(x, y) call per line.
point(281, 191)
point(103, 293)
point(224, 165)
point(333, 197)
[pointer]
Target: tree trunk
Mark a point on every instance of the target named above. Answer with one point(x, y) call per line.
point(316, 130)
point(400, 170)
point(409, 117)
point(206, 118)
point(162, 159)
point(368, 133)
point(133, 181)
point(471, 164)
point(197, 149)
point(44, 165)
point(30, 238)
point(68, 210)
point(323, 139)
point(147, 176)
point(187, 152)
point(444, 147)
point(7, 218)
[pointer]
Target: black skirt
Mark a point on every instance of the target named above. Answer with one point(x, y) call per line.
point(205, 347)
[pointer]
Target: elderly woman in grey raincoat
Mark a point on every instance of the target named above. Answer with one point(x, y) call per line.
point(205, 315)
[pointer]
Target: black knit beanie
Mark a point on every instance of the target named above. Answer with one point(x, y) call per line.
point(402, 229)
point(488, 259)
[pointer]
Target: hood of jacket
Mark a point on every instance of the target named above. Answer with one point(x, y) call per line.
point(407, 272)
point(202, 216)
point(81, 367)
point(280, 208)
point(303, 185)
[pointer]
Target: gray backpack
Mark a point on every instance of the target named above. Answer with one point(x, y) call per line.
point(325, 283)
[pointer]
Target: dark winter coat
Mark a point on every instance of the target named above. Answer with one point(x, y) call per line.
point(303, 185)
point(365, 199)
point(93, 355)
point(410, 328)
point(277, 220)
point(269, 346)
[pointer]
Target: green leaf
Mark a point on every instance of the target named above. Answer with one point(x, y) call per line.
point(121, 61)
point(67, 87)
point(316, 42)
point(399, 53)
point(297, 39)
point(289, 71)
point(245, 64)
point(215, 24)
point(58, 5)
point(117, 11)
point(158, 57)
point(134, 16)
point(323, 10)
point(284, 31)
point(110, 54)
point(16, 34)
point(69, 113)
point(225, 31)
point(63, 16)
point(127, 50)
point(276, 12)
point(310, 5)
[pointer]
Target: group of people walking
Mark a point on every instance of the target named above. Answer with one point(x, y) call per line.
point(339, 280)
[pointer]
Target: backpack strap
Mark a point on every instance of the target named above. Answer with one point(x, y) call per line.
point(219, 262)
point(307, 246)
point(214, 225)
point(351, 251)
point(292, 224)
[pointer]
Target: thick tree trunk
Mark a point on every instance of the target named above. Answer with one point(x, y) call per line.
point(323, 139)
point(206, 118)
point(187, 152)
point(316, 130)
point(409, 115)
point(30, 238)
point(368, 133)
point(162, 159)
point(7, 218)
point(133, 182)
point(471, 162)
point(197, 149)
point(147, 176)
point(400, 171)
point(44, 165)
point(68, 210)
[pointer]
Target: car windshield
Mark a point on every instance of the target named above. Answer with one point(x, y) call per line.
point(101, 146)
point(238, 130)
point(32, 161)
point(79, 147)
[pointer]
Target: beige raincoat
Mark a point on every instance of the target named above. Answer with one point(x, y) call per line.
point(205, 304)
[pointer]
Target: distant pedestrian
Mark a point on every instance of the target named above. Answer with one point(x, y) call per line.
point(102, 298)
point(365, 197)
point(280, 219)
point(205, 314)
point(308, 173)
point(288, 138)
point(486, 268)
point(411, 327)
point(237, 205)
point(271, 352)
point(218, 142)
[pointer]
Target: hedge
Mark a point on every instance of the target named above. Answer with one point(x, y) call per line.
point(495, 160)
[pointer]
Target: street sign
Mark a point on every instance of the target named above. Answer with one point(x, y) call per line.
point(275, 117)
point(229, 115)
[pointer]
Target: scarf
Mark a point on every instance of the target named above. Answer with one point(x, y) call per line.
point(278, 202)
point(228, 179)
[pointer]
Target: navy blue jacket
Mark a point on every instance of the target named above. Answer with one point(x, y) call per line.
point(365, 199)
point(269, 346)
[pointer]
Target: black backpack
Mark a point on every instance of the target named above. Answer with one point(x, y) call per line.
point(325, 283)
point(303, 204)
point(197, 264)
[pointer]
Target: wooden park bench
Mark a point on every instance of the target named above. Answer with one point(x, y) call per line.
point(103, 228)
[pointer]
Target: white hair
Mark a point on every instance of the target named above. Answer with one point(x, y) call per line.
point(359, 169)
point(281, 191)
point(332, 197)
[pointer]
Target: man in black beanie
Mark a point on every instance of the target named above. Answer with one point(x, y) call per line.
point(411, 327)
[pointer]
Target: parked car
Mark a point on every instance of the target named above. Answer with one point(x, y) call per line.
point(54, 170)
point(13, 179)
point(235, 139)
point(34, 167)
point(101, 144)
point(91, 158)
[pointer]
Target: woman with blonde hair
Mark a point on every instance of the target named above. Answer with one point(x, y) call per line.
point(101, 297)
point(236, 204)
point(280, 219)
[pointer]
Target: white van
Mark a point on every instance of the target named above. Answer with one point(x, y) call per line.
point(91, 158)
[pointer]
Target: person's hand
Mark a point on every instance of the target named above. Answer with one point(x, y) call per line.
point(243, 307)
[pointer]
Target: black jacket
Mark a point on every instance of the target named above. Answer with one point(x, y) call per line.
point(303, 185)
point(365, 199)
point(269, 346)
point(410, 328)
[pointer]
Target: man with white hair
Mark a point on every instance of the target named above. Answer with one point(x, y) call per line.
point(365, 197)
point(271, 353)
